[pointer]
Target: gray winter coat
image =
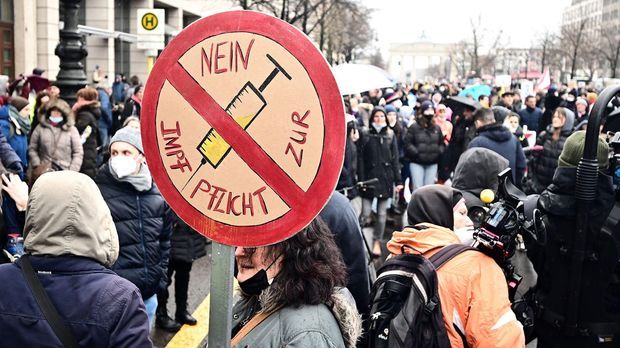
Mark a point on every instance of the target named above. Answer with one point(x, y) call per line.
point(309, 326)
point(61, 145)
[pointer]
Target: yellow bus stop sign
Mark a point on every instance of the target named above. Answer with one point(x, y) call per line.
point(149, 21)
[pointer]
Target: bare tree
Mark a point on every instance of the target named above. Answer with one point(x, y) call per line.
point(482, 60)
point(487, 61)
point(476, 32)
point(344, 37)
point(590, 58)
point(609, 47)
point(573, 38)
point(376, 59)
point(546, 45)
point(459, 54)
point(341, 27)
point(546, 50)
point(300, 13)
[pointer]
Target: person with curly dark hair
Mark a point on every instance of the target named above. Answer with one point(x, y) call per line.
point(292, 294)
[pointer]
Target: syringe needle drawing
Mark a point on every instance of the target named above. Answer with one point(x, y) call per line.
point(247, 104)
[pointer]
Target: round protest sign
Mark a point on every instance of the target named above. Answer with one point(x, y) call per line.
point(243, 128)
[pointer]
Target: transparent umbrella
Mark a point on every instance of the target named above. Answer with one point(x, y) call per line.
point(357, 78)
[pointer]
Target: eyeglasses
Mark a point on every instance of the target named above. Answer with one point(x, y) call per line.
point(441, 111)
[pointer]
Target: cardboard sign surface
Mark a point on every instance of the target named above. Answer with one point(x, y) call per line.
point(243, 128)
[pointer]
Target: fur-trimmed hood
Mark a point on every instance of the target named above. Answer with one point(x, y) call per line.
point(61, 106)
point(345, 311)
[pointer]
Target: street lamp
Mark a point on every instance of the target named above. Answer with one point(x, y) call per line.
point(71, 50)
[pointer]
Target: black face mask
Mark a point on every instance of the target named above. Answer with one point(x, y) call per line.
point(256, 283)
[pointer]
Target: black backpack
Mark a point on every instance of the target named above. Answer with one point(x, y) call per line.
point(405, 309)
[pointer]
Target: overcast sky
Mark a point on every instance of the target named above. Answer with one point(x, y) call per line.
point(448, 20)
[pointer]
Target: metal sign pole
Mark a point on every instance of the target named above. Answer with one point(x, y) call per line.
point(220, 309)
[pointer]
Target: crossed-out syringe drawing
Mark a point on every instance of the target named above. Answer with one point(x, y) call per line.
point(247, 104)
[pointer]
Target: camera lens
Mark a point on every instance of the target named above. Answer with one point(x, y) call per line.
point(477, 215)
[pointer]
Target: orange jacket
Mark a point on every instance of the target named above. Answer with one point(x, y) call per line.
point(472, 290)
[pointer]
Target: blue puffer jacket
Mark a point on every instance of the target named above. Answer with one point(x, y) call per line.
point(9, 158)
point(92, 318)
point(144, 224)
point(17, 140)
point(105, 121)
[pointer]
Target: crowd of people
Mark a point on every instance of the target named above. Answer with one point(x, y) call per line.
point(99, 137)
point(98, 232)
point(418, 132)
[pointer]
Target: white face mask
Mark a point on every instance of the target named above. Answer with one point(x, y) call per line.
point(466, 235)
point(56, 119)
point(123, 165)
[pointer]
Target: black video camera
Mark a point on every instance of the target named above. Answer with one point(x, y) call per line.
point(511, 215)
point(506, 225)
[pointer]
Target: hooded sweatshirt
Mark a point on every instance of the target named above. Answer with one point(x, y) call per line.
point(477, 170)
point(498, 138)
point(81, 223)
point(72, 241)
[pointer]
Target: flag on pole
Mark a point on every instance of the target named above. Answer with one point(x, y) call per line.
point(544, 81)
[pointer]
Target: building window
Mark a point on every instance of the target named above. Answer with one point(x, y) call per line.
point(7, 52)
point(6, 11)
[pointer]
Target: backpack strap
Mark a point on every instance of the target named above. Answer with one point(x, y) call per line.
point(254, 322)
point(59, 326)
point(447, 253)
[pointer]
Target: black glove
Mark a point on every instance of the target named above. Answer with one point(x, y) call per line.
point(18, 168)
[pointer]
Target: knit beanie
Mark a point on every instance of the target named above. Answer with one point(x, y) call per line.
point(130, 136)
point(19, 103)
point(573, 151)
point(377, 109)
point(390, 97)
point(390, 108)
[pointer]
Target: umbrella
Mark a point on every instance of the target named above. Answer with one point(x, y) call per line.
point(476, 91)
point(356, 78)
point(460, 102)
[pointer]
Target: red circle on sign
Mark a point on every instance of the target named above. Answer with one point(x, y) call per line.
point(311, 201)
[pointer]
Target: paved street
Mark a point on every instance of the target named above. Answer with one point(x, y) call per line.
point(199, 285)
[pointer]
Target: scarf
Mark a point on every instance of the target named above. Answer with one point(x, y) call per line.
point(378, 128)
point(143, 181)
point(22, 125)
point(79, 104)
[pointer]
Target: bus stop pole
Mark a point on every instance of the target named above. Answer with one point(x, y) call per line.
point(220, 309)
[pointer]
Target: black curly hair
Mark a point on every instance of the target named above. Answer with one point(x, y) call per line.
point(311, 267)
